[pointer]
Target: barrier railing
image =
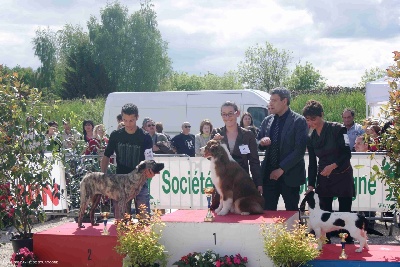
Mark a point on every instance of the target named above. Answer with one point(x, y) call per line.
point(181, 183)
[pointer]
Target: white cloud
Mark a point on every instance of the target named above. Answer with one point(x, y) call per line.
point(341, 38)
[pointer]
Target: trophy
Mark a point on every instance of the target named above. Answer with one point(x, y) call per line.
point(105, 219)
point(343, 236)
point(209, 191)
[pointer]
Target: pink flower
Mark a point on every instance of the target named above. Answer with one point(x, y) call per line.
point(236, 260)
point(218, 263)
point(245, 259)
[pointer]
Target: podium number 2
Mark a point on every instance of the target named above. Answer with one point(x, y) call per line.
point(89, 254)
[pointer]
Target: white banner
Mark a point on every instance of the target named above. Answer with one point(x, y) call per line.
point(52, 197)
point(180, 184)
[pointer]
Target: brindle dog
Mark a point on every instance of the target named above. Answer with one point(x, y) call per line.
point(120, 187)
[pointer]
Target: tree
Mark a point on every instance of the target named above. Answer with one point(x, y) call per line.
point(84, 77)
point(305, 77)
point(45, 46)
point(371, 75)
point(138, 60)
point(265, 67)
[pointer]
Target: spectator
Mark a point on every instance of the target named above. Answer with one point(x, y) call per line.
point(353, 129)
point(360, 144)
point(69, 136)
point(183, 143)
point(160, 129)
point(99, 141)
point(161, 145)
point(51, 137)
point(119, 118)
point(332, 175)
point(247, 122)
point(88, 126)
point(240, 142)
point(144, 123)
point(131, 145)
point(373, 132)
point(203, 137)
point(120, 125)
point(283, 136)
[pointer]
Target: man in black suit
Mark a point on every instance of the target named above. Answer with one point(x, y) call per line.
point(283, 136)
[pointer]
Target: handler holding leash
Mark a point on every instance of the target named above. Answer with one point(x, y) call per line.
point(131, 145)
point(333, 175)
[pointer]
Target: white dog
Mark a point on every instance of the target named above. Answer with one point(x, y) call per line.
point(323, 222)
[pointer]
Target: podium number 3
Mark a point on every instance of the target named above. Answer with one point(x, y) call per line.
point(89, 254)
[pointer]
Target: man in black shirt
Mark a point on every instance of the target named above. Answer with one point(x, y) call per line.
point(131, 145)
point(184, 142)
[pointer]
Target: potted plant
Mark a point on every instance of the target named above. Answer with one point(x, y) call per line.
point(24, 168)
point(139, 239)
point(288, 248)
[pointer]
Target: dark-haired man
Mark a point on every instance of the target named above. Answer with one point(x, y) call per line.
point(131, 145)
point(353, 129)
point(283, 136)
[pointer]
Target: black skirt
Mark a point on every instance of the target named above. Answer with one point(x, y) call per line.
point(336, 184)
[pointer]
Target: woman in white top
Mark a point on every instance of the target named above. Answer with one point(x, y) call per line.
point(203, 137)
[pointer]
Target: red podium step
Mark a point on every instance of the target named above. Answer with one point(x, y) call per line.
point(68, 245)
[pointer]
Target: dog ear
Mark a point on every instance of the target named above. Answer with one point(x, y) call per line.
point(302, 207)
point(141, 166)
point(311, 199)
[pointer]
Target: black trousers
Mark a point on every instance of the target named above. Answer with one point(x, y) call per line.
point(272, 189)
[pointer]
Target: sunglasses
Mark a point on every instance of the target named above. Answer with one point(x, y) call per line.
point(151, 125)
point(187, 126)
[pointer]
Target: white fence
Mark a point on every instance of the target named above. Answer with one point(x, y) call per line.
point(180, 185)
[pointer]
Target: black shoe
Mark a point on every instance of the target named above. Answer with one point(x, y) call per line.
point(349, 240)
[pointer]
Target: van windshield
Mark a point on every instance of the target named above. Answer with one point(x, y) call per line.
point(258, 114)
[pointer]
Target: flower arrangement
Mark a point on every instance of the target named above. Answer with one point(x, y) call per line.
point(211, 259)
point(23, 258)
point(139, 239)
point(286, 247)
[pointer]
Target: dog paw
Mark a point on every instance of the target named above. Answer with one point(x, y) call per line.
point(245, 213)
point(218, 210)
point(359, 250)
point(81, 226)
point(222, 212)
point(95, 224)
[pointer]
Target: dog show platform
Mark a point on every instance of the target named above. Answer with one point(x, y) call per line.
point(186, 232)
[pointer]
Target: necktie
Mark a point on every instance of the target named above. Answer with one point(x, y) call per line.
point(274, 149)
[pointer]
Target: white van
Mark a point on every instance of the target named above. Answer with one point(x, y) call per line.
point(172, 108)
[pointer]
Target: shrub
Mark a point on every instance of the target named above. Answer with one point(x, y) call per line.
point(288, 248)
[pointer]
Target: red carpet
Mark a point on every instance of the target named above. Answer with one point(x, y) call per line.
point(381, 253)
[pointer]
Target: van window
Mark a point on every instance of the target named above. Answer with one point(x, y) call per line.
point(258, 114)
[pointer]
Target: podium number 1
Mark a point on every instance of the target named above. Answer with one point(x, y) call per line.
point(89, 254)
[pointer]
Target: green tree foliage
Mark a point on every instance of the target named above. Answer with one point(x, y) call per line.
point(371, 75)
point(389, 172)
point(305, 77)
point(24, 170)
point(138, 60)
point(84, 77)
point(264, 67)
point(45, 46)
point(185, 82)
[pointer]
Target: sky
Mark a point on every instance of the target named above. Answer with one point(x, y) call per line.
point(340, 38)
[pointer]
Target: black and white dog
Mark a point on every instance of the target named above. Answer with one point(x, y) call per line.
point(323, 222)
